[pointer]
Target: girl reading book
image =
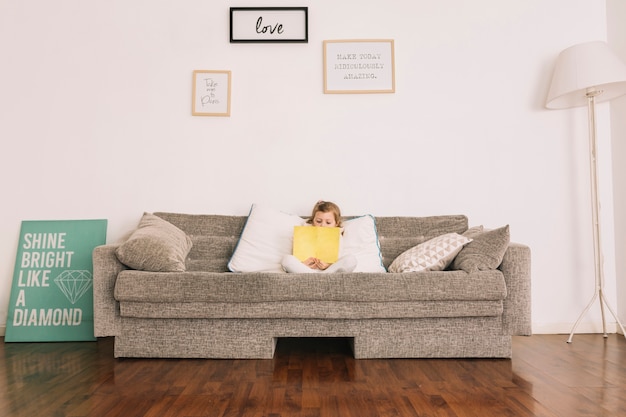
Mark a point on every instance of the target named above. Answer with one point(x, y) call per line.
point(324, 214)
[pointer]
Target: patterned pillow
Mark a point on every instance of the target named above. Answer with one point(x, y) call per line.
point(433, 255)
point(391, 247)
point(156, 245)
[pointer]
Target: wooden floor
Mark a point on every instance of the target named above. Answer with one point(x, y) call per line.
point(317, 377)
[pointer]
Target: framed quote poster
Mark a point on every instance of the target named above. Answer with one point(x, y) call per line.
point(211, 93)
point(359, 66)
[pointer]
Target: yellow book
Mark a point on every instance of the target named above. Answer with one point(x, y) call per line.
point(317, 242)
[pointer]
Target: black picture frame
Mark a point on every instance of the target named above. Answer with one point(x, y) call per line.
point(269, 24)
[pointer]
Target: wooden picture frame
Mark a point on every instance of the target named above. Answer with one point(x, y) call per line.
point(269, 24)
point(211, 93)
point(359, 66)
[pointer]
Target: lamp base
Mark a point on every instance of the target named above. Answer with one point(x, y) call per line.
point(598, 294)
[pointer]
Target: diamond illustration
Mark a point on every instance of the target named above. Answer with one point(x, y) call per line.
point(74, 284)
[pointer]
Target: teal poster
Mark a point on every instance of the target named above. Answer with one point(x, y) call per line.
point(52, 292)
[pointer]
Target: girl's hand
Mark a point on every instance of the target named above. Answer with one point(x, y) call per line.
point(315, 263)
point(311, 262)
point(319, 264)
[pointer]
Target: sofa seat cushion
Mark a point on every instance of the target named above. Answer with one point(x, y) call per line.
point(312, 310)
point(190, 287)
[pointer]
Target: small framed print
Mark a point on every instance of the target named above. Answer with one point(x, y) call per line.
point(211, 93)
point(269, 24)
point(359, 66)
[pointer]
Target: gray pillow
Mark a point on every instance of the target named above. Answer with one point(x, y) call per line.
point(484, 252)
point(472, 232)
point(156, 245)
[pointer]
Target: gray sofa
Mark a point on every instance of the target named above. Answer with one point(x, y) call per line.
point(207, 312)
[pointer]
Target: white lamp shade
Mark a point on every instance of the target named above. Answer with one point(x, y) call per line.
point(590, 66)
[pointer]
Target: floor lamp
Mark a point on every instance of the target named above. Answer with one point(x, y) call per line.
point(586, 74)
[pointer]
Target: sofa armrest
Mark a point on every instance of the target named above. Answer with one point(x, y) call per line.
point(106, 310)
point(517, 305)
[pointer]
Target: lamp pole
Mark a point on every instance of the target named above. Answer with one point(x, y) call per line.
point(595, 212)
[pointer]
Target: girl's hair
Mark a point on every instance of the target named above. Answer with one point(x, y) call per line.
point(326, 207)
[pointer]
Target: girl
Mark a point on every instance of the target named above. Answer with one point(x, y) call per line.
point(324, 214)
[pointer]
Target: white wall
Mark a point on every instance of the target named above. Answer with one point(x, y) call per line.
point(95, 122)
point(616, 14)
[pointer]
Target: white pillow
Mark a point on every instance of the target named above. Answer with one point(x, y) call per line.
point(360, 239)
point(266, 238)
point(433, 255)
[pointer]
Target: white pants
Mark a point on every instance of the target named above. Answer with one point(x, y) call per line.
point(293, 265)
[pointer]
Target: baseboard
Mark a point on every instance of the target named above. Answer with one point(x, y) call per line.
point(566, 328)
point(3, 330)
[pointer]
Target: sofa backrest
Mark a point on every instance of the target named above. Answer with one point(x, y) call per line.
point(397, 234)
point(215, 236)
